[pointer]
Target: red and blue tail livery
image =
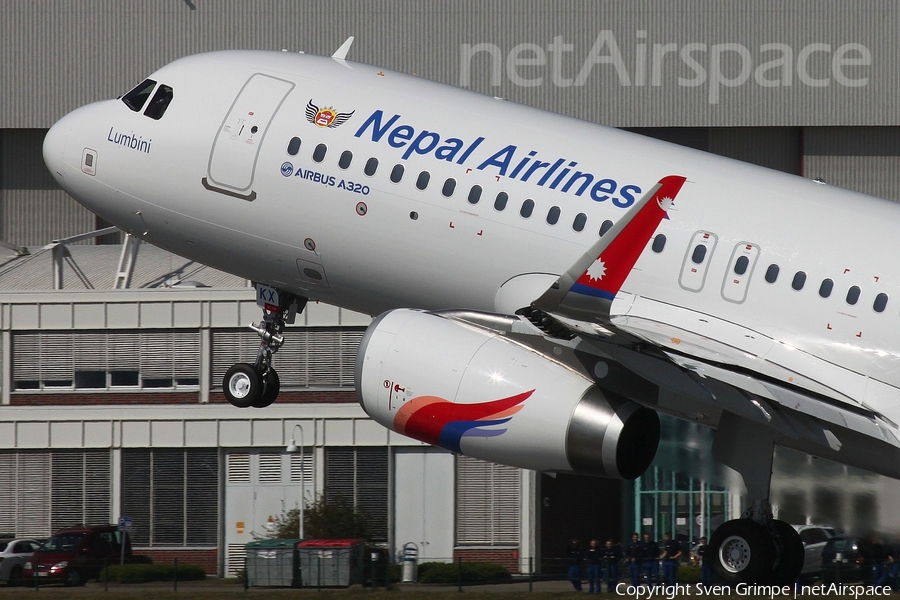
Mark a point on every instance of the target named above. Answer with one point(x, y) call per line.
point(439, 422)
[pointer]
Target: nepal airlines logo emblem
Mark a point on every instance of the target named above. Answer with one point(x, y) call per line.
point(439, 422)
point(325, 117)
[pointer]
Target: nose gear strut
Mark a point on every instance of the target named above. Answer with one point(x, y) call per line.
point(257, 384)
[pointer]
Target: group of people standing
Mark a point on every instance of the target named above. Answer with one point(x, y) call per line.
point(642, 556)
point(602, 565)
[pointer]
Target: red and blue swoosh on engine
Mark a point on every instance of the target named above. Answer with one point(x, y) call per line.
point(439, 422)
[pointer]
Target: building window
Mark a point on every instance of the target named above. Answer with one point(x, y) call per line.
point(55, 490)
point(106, 359)
point(488, 501)
point(173, 496)
point(317, 357)
point(360, 477)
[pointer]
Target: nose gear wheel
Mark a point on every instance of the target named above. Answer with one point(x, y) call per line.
point(258, 384)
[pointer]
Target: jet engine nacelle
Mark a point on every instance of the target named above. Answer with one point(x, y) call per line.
point(473, 391)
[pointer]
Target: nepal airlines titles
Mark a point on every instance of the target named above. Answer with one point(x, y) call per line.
point(508, 161)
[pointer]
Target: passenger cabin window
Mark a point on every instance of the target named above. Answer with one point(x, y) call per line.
point(659, 242)
point(527, 208)
point(371, 166)
point(449, 187)
point(423, 179)
point(853, 295)
point(474, 194)
point(161, 99)
point(772, 273)
point(553, 215)
point(293, 146)
point(605, 226)
point(397, 173)
point(741, 264)
point(698, 254)
point(579, 222)
point(880, 303)
point(500, 201)
point(136, 98)
point(345, 160)
point(799, 280)
point(826, 287)
point(319, 152)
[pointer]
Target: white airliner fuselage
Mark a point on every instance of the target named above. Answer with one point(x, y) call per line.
point(374, 190)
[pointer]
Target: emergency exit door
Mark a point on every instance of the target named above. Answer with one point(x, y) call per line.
point(235, 151)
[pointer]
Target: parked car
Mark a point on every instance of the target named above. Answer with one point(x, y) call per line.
point(847, 559)
point(14, 553)
point(814, 538)
point(76, 554)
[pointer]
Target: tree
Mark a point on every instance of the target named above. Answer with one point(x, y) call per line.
point(323, 519)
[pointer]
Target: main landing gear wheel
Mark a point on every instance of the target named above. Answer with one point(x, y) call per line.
point(789, 547)
point(742, 552)
point(257, 385)
point(242, 385)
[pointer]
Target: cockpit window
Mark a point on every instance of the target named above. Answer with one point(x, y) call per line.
point(136, 98)
point(157, 107)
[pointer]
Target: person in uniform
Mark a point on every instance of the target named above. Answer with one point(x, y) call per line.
point(671, 552)
point(650, 559)
point(593, 558)
point(611, 556)
point(575, 555)
point(634, 559)
point(706, 563)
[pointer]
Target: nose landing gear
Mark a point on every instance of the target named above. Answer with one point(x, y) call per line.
point(258, 384)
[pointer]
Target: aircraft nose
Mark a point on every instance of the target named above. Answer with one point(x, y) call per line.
point(54, 148)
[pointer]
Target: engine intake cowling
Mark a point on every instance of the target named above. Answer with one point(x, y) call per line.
point(473, 391)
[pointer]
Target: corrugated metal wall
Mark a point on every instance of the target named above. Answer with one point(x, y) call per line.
point(866, 159)
point(33, 209)
point(59, 54)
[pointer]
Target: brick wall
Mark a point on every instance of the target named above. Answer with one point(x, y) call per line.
point(167, 397)
point(508, 557)
point(208, 559)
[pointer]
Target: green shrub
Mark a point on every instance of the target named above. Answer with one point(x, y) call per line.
point(472, 572)
point(688, 574)
point(144, 573)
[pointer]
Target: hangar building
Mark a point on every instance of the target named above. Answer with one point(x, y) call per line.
point(111, 401)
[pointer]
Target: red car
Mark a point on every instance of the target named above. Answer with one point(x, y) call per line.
point(76, 554)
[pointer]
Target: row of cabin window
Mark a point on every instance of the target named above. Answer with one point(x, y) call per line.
point(826, 287)
point(449, 187)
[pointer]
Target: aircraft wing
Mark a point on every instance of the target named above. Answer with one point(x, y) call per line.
point(703, 371)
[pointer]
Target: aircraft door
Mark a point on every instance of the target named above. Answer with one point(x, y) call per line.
point(232, 159)
point(696, 261)
point(740, 268)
